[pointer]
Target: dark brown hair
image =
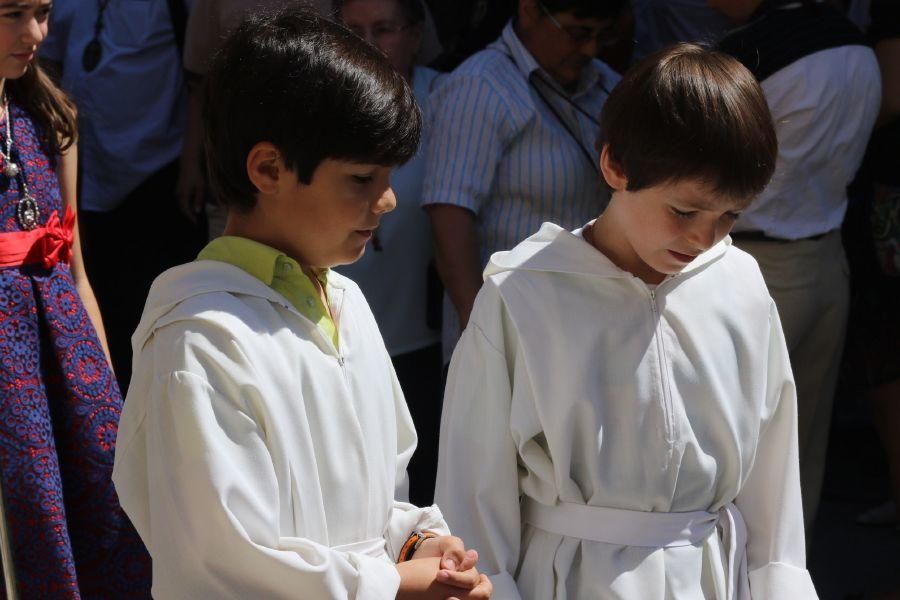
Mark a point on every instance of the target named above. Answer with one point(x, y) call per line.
point(52, 110)
point(310, 87)
point(691, 113)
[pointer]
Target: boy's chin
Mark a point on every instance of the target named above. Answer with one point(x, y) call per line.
point(350, 258)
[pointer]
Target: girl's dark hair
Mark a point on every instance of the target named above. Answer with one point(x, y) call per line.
point(310, 87)
point(412, 10)
point(52, 110)
point(691, 113)
point(586, 9)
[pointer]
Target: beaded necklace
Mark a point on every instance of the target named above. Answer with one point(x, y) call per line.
point(27, 211)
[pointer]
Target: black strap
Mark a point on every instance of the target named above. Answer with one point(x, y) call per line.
point(178, 12)
point(562, 121)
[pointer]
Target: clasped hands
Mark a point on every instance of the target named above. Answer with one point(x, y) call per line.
point(442, 569)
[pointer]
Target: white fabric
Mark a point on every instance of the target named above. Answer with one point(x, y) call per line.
point(254, 459)
point(622, 527)
point(650, 530)
point(394, 276)
point(576, 383)
point(824, 107)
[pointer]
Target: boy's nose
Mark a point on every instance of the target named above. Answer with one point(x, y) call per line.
point(704, 236)
point(386, 203)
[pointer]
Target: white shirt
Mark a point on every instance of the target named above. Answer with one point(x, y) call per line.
point(394, 274)
point(132, 107)
point(824, 107)
point(576, 383)
point(255, 459)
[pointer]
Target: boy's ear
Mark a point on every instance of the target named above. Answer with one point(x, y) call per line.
point(612, 171)
point(264, 167)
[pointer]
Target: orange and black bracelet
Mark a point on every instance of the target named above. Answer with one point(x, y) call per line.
point(412, 544)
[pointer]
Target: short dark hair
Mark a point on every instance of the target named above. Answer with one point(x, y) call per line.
point(586, 9)
point(412, 10)
point(311, 88)
point(689, 112)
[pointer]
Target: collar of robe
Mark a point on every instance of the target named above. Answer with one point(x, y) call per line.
point(558, 250)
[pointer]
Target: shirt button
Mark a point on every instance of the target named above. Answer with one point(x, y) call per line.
point(288, 266)
point(310, 302)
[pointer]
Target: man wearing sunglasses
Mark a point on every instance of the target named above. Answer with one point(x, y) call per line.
point(513, 141)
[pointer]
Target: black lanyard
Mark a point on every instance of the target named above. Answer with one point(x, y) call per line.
point(93, 52)
point(572, 133)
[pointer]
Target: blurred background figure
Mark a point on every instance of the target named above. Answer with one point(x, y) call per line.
point(467, 26)
point(873, 236)
point(513, 141)
point(823, 88)
point(659, 23)
point(394, 271)
point(120, 61)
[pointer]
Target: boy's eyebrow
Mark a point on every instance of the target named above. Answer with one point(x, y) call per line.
point(703, 204)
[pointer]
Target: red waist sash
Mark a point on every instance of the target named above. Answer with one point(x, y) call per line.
point(46, 245)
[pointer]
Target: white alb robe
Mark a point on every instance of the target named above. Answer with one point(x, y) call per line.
point(577, 383)
point(254, 458)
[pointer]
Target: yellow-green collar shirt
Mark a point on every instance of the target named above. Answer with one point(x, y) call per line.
point(278, 271)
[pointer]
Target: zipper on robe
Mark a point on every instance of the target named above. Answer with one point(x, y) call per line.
point(663, 371)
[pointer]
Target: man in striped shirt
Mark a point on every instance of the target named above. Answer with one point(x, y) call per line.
point(513, 141)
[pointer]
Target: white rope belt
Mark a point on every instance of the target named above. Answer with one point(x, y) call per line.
point(649, 530)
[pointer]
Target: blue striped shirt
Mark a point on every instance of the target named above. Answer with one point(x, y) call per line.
point(499, 150)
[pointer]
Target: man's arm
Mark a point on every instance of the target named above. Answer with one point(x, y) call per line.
point(457, 255)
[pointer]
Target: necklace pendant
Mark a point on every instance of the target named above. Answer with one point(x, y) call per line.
point(11, 169)
point(28, 213)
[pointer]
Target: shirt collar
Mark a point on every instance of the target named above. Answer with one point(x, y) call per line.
point(256, 258)
point(512, 46)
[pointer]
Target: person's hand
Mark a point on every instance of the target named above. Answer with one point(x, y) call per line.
point(451, 550)
point(423, 579)
point(481, 590)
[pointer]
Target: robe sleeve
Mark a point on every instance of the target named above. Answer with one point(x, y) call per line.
point(770, 497)
point(477, 479)
point(405, 517)
point(207, 505)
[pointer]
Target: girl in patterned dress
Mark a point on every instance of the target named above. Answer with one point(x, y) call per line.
point(65, 534)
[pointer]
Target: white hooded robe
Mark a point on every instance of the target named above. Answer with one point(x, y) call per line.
point(254, 458)
point(577, 383)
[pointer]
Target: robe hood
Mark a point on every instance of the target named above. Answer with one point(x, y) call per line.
point(198, 278)
point(558, 250)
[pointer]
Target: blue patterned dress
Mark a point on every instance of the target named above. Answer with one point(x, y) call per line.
point(59, 414)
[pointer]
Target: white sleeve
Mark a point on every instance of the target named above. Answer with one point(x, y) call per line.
point(207, 503)
point(770, 497)
point(477, 479)
point(405, 517)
